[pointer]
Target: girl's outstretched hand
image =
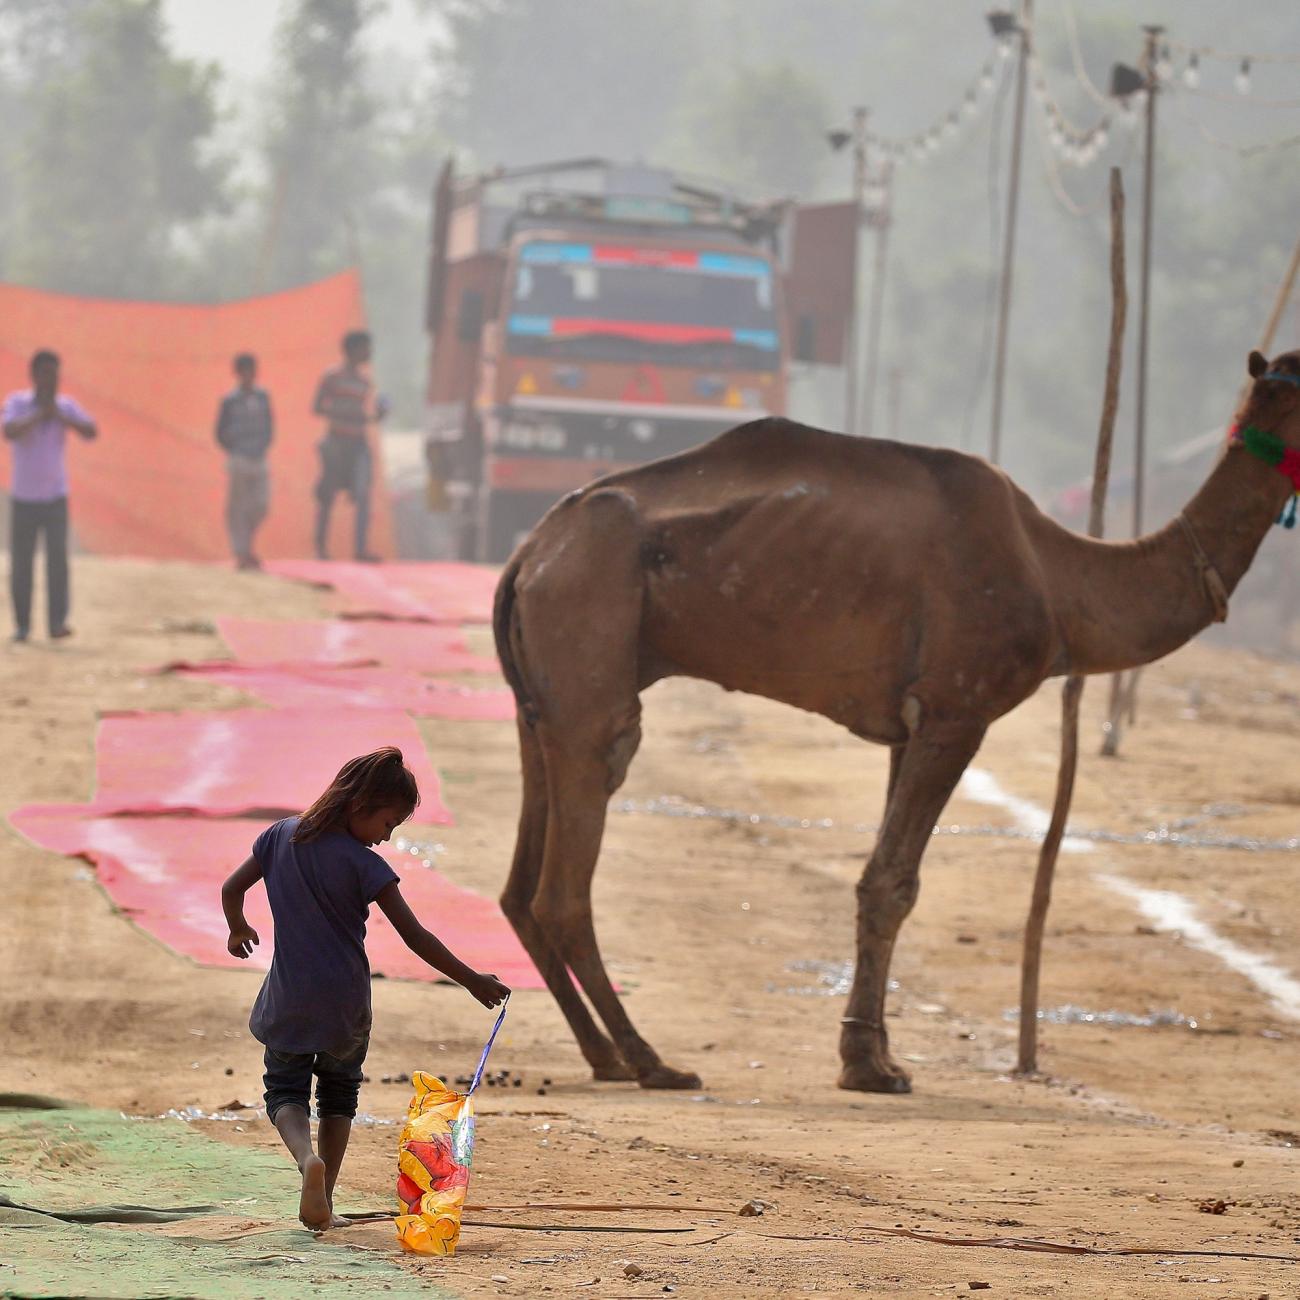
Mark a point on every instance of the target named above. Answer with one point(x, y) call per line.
point(487, 989)
point(243, 939)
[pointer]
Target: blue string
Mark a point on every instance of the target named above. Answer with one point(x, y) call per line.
point(1282, 377)
point(492, 1038)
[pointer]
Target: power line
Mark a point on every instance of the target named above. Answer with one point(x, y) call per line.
point(1245, 100)
point(1231, 146)
point(1076, 57)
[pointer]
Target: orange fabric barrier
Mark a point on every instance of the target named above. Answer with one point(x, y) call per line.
point(152, 375)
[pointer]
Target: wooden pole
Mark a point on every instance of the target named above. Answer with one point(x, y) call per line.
point(1009, 237)
point(1036, 923)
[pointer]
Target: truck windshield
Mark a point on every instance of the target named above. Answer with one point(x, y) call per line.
point(623, 303)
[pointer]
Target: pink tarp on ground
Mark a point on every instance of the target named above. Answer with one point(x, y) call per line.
point(415, 647)
point(165, 874)
point(428, 593)
point(321, 690)
point(222, 764)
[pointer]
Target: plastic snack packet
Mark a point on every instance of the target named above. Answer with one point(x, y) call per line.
point(433, 1159)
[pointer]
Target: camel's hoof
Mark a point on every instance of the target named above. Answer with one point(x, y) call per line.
point(868, 1078)
point(664, 1076)
point(613, 1072)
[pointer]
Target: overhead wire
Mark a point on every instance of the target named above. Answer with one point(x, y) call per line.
point(1076, 58)
point(1232, 146)
point(1245, 101)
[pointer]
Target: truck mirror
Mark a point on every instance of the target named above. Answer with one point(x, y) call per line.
point(805, 338)
point(469, 319)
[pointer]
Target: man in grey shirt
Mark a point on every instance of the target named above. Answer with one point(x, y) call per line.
point(245, 427)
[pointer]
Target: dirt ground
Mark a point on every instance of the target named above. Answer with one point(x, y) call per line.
point(711, 925)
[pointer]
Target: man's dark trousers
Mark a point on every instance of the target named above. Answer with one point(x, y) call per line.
point(28, 519)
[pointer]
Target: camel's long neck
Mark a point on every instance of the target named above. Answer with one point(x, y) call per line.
point(1119, 605)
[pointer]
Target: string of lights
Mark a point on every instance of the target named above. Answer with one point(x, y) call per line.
point(1077, 146)
point(1056, 182)
point(947, 127)
point(1228, 56)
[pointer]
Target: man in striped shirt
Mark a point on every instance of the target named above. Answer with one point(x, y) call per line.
point(343, 398)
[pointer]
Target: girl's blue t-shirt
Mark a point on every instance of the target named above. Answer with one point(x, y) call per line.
point(316, 996)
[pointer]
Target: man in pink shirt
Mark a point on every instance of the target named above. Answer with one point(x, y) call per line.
point(36, 424)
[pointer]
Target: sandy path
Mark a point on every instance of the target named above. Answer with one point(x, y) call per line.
point(701, 920)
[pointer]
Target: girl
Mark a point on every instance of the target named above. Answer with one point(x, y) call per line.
point(313, 1013)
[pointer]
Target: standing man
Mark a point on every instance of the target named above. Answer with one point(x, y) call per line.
point(36, 423)
point(343, 398)
point(245, 428)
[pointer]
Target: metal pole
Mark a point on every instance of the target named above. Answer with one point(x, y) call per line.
point(1009, 239)
point(875, 320)
point(1123, 687)
point(851, 358)
point(1144, 310)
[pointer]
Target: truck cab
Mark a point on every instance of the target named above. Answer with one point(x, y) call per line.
point(585, 318)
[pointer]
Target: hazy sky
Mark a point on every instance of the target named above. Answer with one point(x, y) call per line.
point(238, 33)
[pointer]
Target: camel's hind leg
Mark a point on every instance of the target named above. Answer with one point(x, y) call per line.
point(516, 903)
point(576, 632)
point(923, 774)
point(581, 779)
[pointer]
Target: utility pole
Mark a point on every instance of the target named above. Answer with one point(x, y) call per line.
point(852, 335)
point(1150, 56)
point(881, 217)
point(1009, 234)
point(1125, 81)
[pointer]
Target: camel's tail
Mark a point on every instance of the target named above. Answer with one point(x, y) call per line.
point(503, 615)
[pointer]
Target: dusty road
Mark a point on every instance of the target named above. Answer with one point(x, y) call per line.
point(729, 936)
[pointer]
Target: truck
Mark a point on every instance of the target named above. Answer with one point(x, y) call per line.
point(585, 316)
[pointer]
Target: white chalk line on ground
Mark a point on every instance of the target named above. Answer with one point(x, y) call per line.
point(1165, 909)
point(983, 787)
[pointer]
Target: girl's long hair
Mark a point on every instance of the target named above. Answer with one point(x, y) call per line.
point(377, 780)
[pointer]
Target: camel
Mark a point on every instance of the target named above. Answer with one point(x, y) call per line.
point(911, 594)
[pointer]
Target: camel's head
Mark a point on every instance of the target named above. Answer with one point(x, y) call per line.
point(1274, 399)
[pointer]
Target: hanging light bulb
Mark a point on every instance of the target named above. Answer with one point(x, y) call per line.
point(970, 105)
point(1101, 137)
point(1164, 64)
point(1242, 79)
point(949, 127)
point(986, 78)
point(1192, 72)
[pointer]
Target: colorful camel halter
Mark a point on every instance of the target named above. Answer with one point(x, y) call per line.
point(1269, 448)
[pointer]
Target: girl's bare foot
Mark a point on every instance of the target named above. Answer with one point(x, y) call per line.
point(338, 1221)
point(313, 1204)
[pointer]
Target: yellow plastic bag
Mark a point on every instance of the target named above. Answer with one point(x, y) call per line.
point(434, 1155)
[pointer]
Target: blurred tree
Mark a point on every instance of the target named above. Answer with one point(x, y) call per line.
point(114, 160)
point(760, 127)
point(524, 82)
point(319, 148)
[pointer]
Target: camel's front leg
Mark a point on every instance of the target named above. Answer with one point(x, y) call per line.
point(921, 780)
